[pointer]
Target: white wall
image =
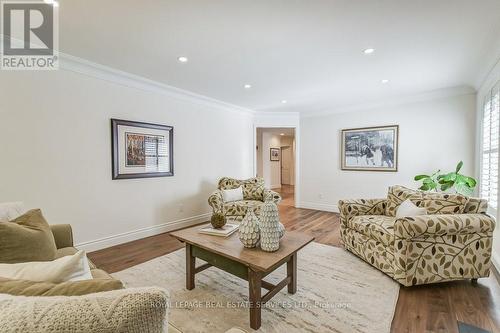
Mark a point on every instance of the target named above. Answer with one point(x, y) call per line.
point(492, 78)
point(270, 169)
point(289, 141)
point(56, 154)
point(432, 135)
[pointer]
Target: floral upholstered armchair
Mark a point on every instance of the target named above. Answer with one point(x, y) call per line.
point(452, 242)
point(254, 195)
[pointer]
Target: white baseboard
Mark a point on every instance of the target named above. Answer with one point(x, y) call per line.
point(319, 206)
point(129, 236)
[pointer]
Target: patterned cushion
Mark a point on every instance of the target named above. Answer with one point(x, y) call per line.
point(476, 205)
point(444, 203)
point(435, 203)
point(239, 208)
point(397, 194)
point(253, 188)
point(378, 227)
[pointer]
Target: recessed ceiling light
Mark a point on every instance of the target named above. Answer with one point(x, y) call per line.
point(282, 134)
point(183, 59)
point(247, 86)
point(284, 101)
point(369, 51)
point(384, 81)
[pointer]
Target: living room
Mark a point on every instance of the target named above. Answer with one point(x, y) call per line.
point(347, 149)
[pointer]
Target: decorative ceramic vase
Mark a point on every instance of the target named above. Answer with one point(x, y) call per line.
point(270, 230)
point(249, 230)
point(218, 220)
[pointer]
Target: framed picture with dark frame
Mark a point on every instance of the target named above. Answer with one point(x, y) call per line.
point(274, 154)
point(370, 148)
point(141, 150)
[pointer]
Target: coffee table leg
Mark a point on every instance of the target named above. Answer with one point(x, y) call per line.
point(291, 270)
point(190, 267)
point(255, 297)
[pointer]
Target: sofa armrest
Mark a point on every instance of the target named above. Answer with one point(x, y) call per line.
point(63, 235)
point(359, 207)
point(216, 201)
point(440, 225)
point(273, 196)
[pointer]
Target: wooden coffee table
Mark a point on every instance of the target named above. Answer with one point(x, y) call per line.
point(252, 265)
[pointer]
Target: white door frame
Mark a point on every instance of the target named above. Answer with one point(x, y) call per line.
point(297, 155)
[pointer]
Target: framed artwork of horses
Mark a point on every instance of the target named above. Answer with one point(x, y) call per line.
point(370, 148)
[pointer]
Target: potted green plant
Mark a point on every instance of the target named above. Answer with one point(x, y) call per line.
point(452, 180)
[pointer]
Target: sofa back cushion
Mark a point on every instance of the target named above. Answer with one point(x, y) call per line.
point(476, 206)
point(444, 203)
point(253, 188)
point(397, 195)
point(70, 288)
point(26, 238)
point(434, 202)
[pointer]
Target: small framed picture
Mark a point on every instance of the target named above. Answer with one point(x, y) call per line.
point(275, 154)
point(141, 150)
point(370, 148)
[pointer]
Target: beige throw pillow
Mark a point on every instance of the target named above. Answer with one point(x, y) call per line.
point(27, 238)
point(68, 268)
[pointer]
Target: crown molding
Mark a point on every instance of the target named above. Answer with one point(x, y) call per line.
point(397, 101)
point(82, 66)
point(277, 114)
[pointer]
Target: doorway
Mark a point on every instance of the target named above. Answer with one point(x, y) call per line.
point(276, 161)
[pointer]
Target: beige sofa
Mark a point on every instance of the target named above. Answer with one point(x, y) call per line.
point(453, 242)
point(136, 301)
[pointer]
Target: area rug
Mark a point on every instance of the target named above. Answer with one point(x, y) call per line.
point(336, 292)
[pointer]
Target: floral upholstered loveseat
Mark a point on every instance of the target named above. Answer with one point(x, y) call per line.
point(452, 242)
point(254, 195)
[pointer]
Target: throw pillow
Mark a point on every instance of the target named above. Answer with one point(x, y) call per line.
point(11, 210)
point(70, 288)
point(444, 203)
point(68, 268)
point(253, 189)
point(124, 311)
point(397, 194)
point(232, 195)
point(27, 238)
point(408, 208)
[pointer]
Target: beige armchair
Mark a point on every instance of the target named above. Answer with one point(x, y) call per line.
point(453, 242)
point(254, 195)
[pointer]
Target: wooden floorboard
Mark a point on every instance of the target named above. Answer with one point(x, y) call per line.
point(432, 308)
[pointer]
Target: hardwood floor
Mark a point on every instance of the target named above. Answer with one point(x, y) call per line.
point(432, 308)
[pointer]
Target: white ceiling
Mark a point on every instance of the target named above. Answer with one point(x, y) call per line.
point(308, 52)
